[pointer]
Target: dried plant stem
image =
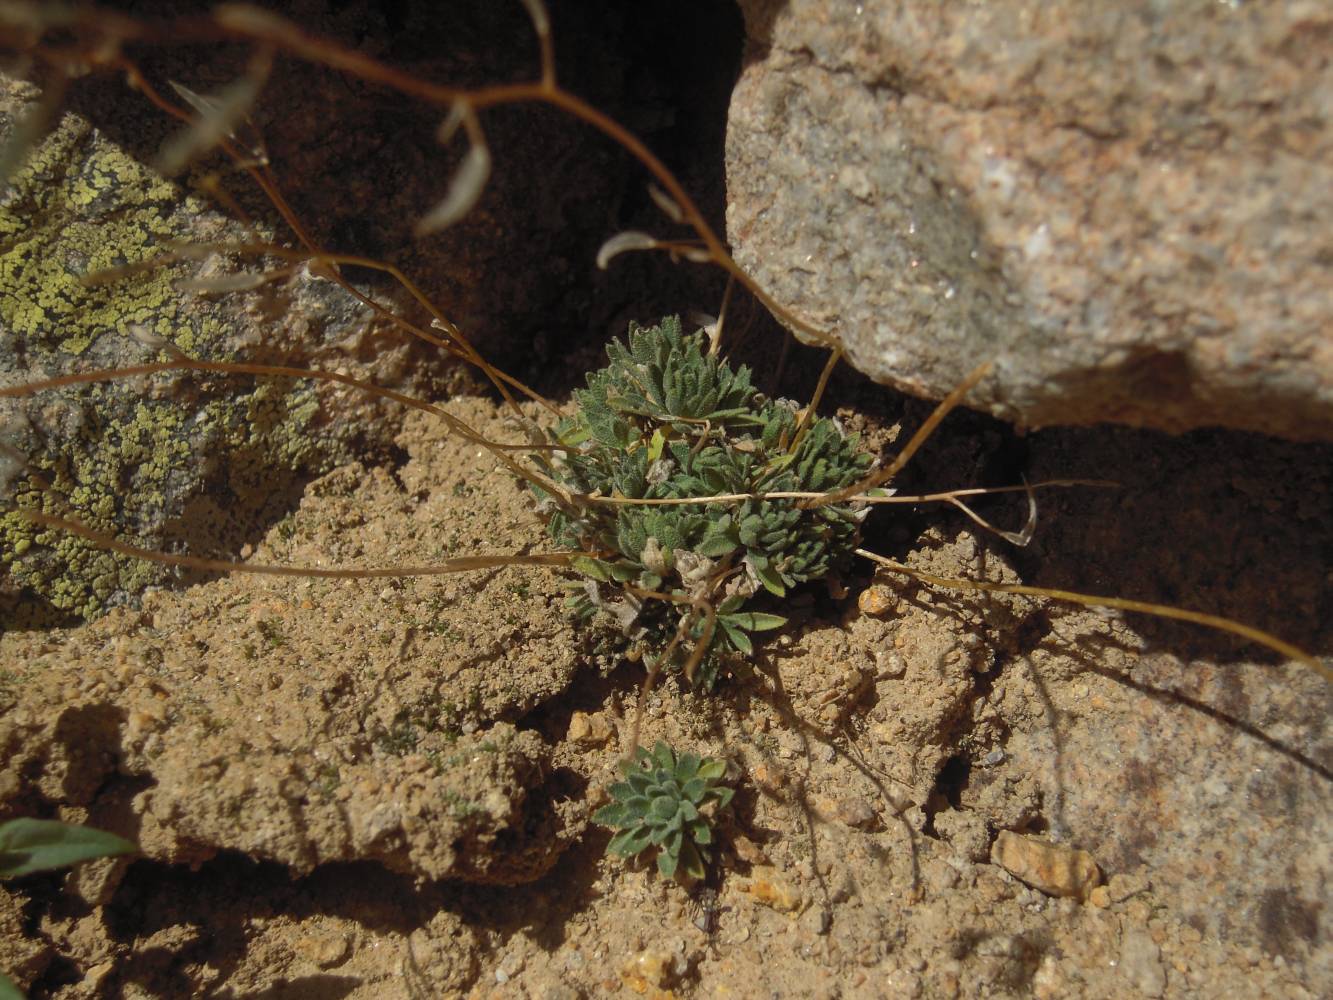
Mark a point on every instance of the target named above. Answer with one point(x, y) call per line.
point(1123, 604)
point(461, 564)
point(835, 355)
point(946, 497)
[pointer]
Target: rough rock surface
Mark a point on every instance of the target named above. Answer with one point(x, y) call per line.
point(170, 456)
point(1124, 207)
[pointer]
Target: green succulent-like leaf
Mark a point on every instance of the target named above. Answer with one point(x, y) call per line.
point(663, 757)
point(711, 770)
point(631, 842)
point(769, 577)
point(756, 621)
point(38, 845)
point(595, 568)
point(690, 861)
point(736, 637)
point(615, 815)
point(687, 766)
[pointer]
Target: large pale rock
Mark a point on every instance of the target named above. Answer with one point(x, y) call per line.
point(1123, 206)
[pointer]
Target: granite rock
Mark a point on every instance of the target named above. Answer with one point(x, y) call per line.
point(1124, 209)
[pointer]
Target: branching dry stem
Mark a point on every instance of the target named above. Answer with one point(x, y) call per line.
point(1118, 603)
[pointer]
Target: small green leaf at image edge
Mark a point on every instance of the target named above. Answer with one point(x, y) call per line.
point(37, 845)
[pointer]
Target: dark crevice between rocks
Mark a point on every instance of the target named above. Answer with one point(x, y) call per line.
point(360, 163)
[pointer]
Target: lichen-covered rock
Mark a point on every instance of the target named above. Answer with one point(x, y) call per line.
point(152, 461)
point(1125, 209)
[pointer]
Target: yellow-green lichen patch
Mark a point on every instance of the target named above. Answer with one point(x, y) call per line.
point(81, 205)
point(124, 458)
point(123, 479)
point(108, 483)
point(278, 417)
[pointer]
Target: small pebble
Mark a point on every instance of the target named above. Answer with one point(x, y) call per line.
point(889, 663)
point(876, 600)
point(588, 730)
point(770, 888)
point(1052, 868)
point(650, 967)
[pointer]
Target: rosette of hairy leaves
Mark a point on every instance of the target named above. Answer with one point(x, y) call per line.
point(664, 420)
point(661, 803)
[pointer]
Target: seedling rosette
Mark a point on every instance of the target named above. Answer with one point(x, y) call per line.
point(667, 803)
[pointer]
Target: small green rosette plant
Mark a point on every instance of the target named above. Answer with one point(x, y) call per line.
point(667, 421)
point(667, 802)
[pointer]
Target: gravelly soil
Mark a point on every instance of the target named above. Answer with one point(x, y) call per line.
point(383, 788)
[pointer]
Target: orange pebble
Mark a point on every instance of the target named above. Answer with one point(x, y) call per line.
point(876, 600)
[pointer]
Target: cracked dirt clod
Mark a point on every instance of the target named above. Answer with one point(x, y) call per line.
point(245, 718)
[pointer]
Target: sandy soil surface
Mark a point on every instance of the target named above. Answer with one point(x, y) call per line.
point(377, 789)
